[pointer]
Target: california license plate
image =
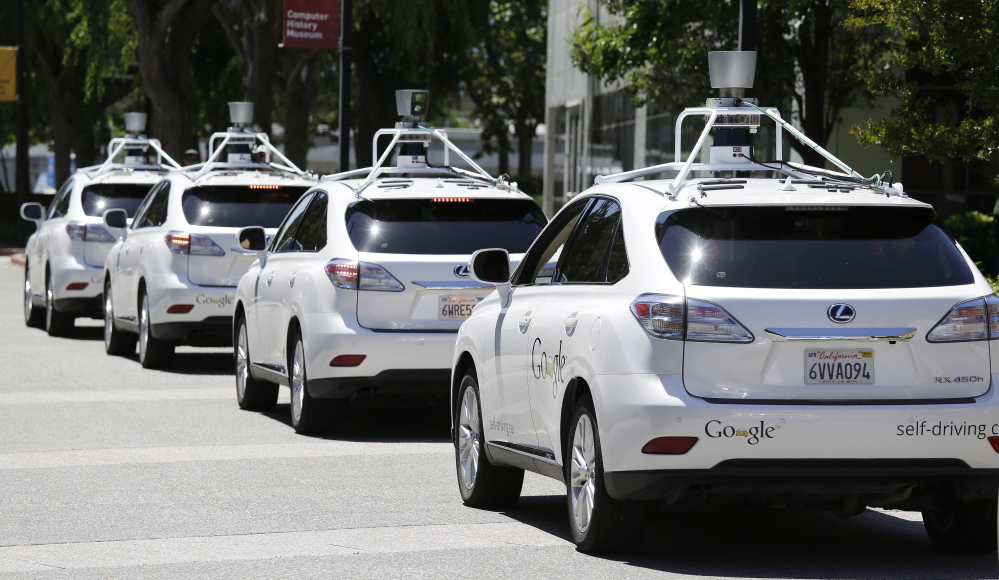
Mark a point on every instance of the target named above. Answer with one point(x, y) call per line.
point(839, 367)
point(456, 307)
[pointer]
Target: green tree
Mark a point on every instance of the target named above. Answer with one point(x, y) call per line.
point(506, 78)
point(659, 48)
point(418, 44)
point(167, 30)
point(939, 63)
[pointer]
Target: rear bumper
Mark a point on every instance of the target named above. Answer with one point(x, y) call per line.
point(394, 362)
point(753, 442)
point(67, 270)
point(81, 306)
point(208, 323)
point(887, 479)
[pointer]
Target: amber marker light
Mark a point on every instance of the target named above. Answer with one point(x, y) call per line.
point(669, 445)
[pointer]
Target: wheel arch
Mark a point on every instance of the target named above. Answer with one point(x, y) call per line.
point(461, 368)
point(236, 313)
point(576, 390)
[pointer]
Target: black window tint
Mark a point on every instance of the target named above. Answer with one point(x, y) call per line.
point(314, 218)
point(99, 197)
point(60, 205)
point(836, 248)
point(284, 241)
point(322, 233)
point(539, 264)
point(617, 263)
point(238, 206)
point(426, 226)
point(586, 258)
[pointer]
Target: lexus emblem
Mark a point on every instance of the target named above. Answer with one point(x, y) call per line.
point(841, 313)
point(461, 271)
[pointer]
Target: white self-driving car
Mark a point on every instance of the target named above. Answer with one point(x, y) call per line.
point(364, 286)
point(64, 268)
point(171, 279)
point(746, 330)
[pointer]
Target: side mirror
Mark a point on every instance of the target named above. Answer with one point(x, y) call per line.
point(252, 239)
point(492, 266)
point(32, 211)
point(116, 218)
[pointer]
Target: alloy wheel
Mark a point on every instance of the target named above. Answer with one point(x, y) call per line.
point(582, 473)
point(242, 369)
point(108, 317)
point(143, 328)
point(49, 306)
point(297, 382)
point(468, 438)
point(27, 297)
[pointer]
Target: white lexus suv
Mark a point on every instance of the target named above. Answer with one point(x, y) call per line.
point(171, 279)
point(744, 330)
point(364, 286)
point(64, 268)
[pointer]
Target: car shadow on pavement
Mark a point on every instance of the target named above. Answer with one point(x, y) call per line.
point(200, 363)
point(759, 542)
point(379, 423)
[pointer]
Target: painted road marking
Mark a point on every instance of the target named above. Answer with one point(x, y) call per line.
point(345, 542)
point(135, 455)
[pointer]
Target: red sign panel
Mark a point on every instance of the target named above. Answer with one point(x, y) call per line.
point(312, 24)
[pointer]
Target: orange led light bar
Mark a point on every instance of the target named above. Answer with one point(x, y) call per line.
point(451, 199)
point(264, 186)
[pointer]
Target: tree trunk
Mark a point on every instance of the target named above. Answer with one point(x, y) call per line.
point(813, 59)
point(297, 99)
point(262, 26)
point(166, 36)
point(525, 148)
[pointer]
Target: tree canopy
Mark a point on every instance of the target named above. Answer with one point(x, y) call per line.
point(939, 64)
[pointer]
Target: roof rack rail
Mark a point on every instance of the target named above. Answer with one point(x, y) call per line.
point(411, 104)
point(735, 117)
point(247, 137)
point(132, 142)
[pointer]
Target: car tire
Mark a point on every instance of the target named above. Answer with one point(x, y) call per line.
point(599, 523)
point(34, 317)
point(56, 323)
point(116, 342)
point(308, 415)
point(481, 483)
point(968, 528)
point(251, 394)
point(154, 353)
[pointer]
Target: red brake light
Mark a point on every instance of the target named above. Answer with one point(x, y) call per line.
point(180, 308)
point(994, 441)
point(77, 286)
point(669, 445)
point(347, 360)
point(343, 273)
point(178, 242)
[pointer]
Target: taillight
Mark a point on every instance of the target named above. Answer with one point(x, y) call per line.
point(343, 273)
point(976, 319)
point(347, 360)
point(670, 317)
point(194, 244)
point(362, 276)
point(96, 233)
point(77, 231)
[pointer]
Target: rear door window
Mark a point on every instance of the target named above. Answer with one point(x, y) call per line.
point(284, 241)
point(152, 212)
point(60, 206)
point(314, 220)
point(99, 197)
point(426, 226)
point(587, 256)
point(238, 206)
point(795, 247)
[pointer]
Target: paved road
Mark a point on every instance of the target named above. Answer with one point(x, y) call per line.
point(111, 471)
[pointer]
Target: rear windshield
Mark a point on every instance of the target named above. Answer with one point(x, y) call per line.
point(837, 248)
point(103, 196)
point(238, 206)
point(425, 226)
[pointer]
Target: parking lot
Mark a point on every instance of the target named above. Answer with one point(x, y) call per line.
point(111, 471)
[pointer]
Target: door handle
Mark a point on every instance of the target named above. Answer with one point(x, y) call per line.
point(270, 279)
point(570, 325)
point(524, 323)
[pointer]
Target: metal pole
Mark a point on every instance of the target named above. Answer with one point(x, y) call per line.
point(747, 25)
point(23, 177)
point(346, 36)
